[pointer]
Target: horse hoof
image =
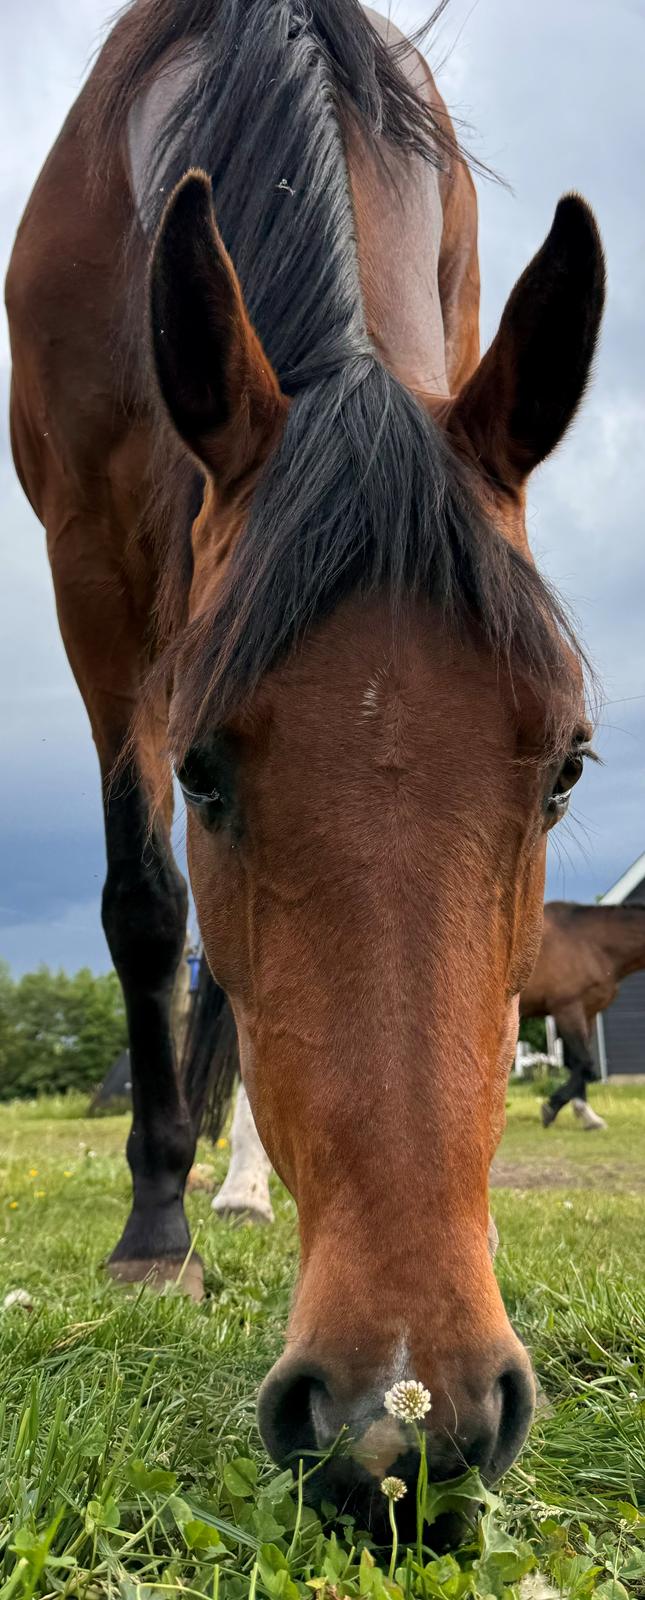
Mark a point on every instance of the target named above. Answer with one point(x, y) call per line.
point(240, 1213)
point(589, 1119)
point(547, 1114)
point(186, 1276)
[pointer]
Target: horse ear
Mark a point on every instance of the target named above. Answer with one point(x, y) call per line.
point(525, 391)
point(219, 388)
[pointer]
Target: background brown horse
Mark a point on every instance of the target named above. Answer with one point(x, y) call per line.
point(586, 952)
point(373, 702)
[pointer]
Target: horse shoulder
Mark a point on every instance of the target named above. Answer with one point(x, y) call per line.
point(66, 295)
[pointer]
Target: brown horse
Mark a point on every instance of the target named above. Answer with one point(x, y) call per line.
point(586, 952)
point(317, 543)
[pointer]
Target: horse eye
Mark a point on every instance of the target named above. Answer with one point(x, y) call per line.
point(194, 798)
point(570, 772)
point(207, 779)
point(197, 780)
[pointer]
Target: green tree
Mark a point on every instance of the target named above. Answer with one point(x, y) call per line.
point(58, 1032)
point(95, 1019)
point(533, 1030)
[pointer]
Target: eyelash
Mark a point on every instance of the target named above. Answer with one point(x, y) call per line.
point(198, 800)
point(558, 801)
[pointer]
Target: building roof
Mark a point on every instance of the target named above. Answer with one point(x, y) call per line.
point(629, 881)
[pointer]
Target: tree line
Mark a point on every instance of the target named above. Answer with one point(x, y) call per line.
point(58, 1031)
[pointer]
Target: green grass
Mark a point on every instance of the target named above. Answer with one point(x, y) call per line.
point(613, 1160)
point(95, 1379)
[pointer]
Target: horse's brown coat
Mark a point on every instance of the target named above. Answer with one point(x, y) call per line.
point(380, 909)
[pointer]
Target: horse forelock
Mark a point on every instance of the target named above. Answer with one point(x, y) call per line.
point(363, 490)
point(364, 494)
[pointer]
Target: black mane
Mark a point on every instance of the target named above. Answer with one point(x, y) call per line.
point(273, 89)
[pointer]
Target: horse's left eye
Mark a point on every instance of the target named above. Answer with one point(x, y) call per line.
point(570, 772)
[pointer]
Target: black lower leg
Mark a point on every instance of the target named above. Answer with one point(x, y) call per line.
point(144, 917)
point(578, 1060)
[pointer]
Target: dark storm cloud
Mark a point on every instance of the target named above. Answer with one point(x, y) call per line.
point(553, 94)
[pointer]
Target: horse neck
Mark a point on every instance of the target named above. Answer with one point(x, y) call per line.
point(623, 938)
point(398, 218)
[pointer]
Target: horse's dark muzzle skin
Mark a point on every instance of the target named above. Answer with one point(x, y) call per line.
point(301, 1415)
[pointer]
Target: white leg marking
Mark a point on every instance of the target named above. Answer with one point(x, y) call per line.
point(246, 1185)
point(587, 1116)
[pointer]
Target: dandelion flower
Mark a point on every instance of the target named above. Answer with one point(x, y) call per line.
point(222, 1144)
point(13, 1205)
point(408, 1400)
point(33, 1172)
point(393, 1488)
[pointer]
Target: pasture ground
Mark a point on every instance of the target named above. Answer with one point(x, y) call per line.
point(121, 1414)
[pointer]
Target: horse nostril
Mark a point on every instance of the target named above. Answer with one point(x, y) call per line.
point(300, 1414)
point(517, 1390)
point(291, 1400)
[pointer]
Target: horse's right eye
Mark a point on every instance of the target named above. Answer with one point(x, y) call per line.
point(206, 777)
point(196, 797)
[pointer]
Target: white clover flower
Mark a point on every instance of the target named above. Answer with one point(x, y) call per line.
point(18, 1297)
point(394, 1488)
point(408, 1400)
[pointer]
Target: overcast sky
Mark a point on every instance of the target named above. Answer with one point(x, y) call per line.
point(553, 93)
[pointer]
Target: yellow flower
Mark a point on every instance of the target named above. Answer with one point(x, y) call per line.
point(33, 1172)
point(222, 1144)
point(13, 1205)
point(67, 1173)
point(39, 1194)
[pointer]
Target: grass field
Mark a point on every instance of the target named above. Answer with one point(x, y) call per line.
point(122, 1415)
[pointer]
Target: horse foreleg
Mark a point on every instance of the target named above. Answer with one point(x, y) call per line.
point(87, 477)
point(144, 917)
point(245, 1190)
point(573, 1029)
point(144, 906)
